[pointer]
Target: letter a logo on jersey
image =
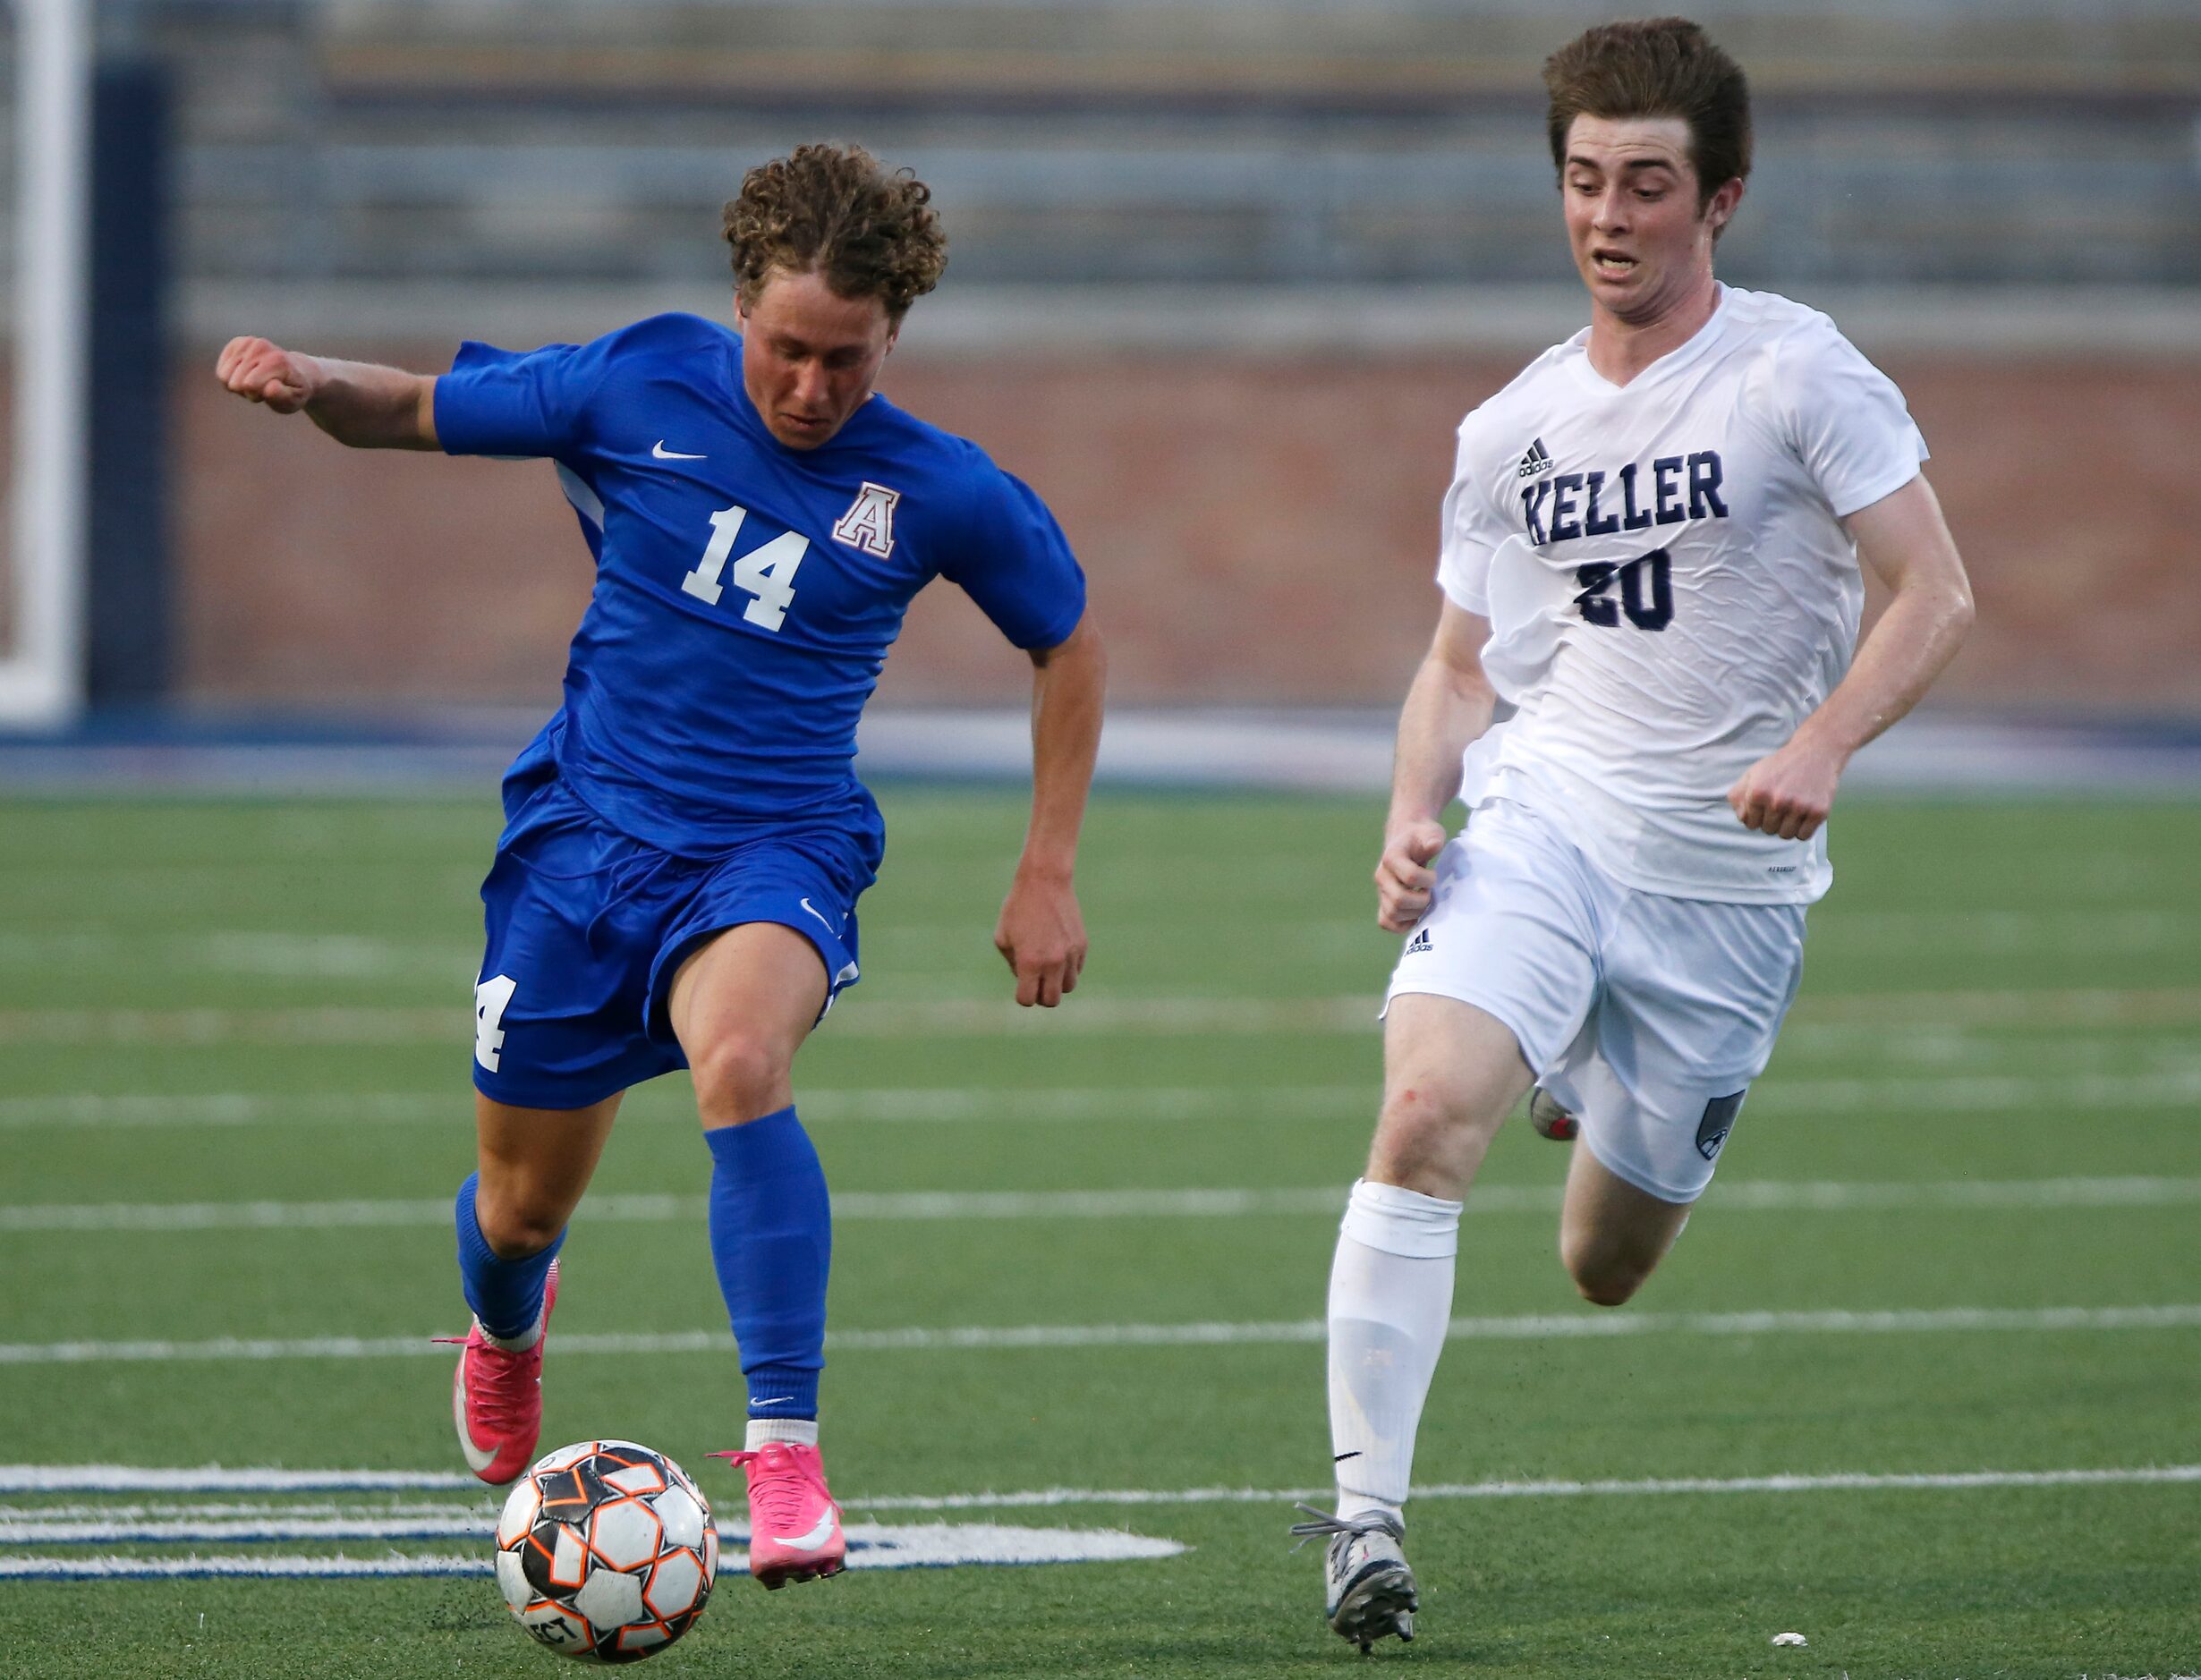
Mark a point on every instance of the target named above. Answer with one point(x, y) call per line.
point(869, 523)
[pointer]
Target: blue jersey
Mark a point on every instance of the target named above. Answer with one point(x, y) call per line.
point(746, 593)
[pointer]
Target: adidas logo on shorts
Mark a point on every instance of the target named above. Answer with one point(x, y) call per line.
point(1420, 942)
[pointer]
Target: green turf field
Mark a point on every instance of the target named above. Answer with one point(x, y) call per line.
point(1954, 1233)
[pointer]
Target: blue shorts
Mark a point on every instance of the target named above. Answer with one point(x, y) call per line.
point(587, 926)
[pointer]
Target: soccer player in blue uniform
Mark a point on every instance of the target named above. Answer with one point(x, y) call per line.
point(685, 841)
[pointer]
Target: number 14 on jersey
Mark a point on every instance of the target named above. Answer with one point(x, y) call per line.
point(766, 573)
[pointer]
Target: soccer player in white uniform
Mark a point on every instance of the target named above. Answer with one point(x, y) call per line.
point(1642, 687)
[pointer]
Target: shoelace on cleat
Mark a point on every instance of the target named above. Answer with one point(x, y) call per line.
point(1324, 1524)
point(502, 1394)
point(780, 1497)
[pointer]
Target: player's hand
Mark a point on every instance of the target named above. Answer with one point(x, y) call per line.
point(1041, 936)
point(1789, 793)
point(1403, 877)
point(262, 372)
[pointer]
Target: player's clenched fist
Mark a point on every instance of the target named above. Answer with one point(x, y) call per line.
point(262, 372)
point(1787, 793)
point(1403, 877)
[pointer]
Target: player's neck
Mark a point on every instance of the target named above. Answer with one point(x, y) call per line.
point(1621, 347)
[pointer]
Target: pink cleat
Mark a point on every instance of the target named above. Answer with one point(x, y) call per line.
point(497, 1398)
point(794, 1527)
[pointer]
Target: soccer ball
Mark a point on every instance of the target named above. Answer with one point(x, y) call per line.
point(606, 1551)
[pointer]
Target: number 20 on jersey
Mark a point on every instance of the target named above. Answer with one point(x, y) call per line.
point(1646, 591)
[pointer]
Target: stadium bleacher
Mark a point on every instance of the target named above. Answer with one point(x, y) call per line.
point(1269, 142)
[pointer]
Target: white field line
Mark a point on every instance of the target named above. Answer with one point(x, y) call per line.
point(1531, 1327)
point(940, 1017)
point(2006, 932)
point(364, 957)
point(454, 1106)
point(282, 955)
point(36, 1530)
point(485, 1508)
point(132, 1110)
point(1845, 1482)
point(274, 1523)
point(1923, 1095)
point(904, 1546)
point(132, 1479)
point(36, 1568)
point(216, 1479)
point(862, 1206)
point(870, 1546)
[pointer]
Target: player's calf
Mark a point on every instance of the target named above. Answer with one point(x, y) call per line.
point(1613, 1235)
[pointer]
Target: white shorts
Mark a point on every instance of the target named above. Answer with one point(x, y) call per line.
point(1645, 1016)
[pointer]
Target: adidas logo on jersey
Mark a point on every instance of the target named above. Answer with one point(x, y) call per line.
point(1419, 943)
point(1538, 460)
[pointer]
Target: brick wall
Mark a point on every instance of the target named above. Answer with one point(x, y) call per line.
point(1256, 530)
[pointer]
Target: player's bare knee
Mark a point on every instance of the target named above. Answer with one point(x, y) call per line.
point(1422, 1125)
point(1413, 1107)
point(517, 1225)
point(740, 1077)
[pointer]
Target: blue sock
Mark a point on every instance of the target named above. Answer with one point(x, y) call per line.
point(507, 1295)
point(771, 1239)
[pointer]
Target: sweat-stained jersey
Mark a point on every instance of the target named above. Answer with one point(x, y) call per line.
point(745, 592)
point(1670, 588)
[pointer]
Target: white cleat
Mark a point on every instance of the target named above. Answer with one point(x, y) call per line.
point(1370, 1588)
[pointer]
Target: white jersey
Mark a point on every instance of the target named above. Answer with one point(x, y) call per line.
point(1670, 587)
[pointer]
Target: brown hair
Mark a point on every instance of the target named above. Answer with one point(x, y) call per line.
point(1655, 67)
point(833, 210)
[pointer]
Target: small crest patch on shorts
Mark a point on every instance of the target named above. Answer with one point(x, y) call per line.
point(1718, 1121)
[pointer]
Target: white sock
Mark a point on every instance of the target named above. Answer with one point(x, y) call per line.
point(1390, 1298)
point(519, 1344)
point(794, 1431)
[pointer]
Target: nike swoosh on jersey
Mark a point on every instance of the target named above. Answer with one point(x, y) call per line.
point(821, 915)
point(813, 1541)
point(663, 453)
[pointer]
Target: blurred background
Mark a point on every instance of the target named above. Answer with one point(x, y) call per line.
point(1224, 277)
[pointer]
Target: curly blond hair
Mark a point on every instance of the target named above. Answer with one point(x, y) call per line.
point(837, 211)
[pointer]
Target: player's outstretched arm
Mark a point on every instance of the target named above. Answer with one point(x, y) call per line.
point(1906, 541)
point(1042, 933)
point(356, 402)
point(1450, 704)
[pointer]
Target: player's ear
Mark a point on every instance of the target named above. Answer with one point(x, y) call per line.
point(1720, 210)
